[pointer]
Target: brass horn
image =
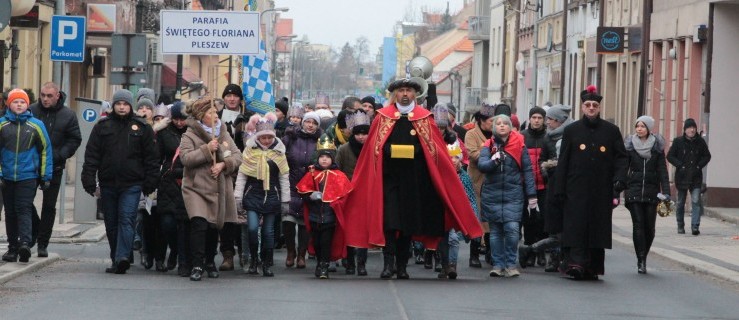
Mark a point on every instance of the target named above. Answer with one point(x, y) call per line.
point(421, 67)
point(421, 95)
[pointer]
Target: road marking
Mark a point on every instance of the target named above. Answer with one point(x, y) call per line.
point(398, 303)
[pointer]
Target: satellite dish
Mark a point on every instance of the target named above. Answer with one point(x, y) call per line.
point(21, 7)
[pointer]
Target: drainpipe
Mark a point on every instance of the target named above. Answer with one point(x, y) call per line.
point(645, 26)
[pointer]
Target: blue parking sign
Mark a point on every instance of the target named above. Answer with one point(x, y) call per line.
point(68, 35)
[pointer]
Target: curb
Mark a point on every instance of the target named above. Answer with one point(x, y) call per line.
point(689, 263)
point(95, 234)
point(716, 214)
point(10, 271)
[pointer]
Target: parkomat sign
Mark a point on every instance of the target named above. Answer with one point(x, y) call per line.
point(209, 32)
point(610, 40)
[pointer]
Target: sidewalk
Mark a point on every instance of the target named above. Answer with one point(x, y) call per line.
point(714, 252)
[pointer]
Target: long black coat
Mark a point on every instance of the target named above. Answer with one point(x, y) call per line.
point(592, 157)
point(169, 196)
point(689, 156)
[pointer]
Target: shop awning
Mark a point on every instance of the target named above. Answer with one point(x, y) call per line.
point(169, 75)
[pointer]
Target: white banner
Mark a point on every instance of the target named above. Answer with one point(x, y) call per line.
point(209, 32)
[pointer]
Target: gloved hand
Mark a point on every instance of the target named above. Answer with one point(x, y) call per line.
point(498, 156)
point(43, 185)
point(239, 119)
point(616, 202)
point(619, 186)
point(91, 190)
point(285, 208)
point(239, 206)
point(316, 196)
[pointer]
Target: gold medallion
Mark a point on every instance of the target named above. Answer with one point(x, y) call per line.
point(602, 149)
point(582, 146)
point(413, 132)
point(134, 127)
point(410, 114)
point(397, 114)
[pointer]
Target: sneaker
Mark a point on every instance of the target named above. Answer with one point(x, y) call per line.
point(512, 273)
point(24, 253)
point(497, 272)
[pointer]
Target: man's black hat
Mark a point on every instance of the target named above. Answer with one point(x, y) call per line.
point(403, 83)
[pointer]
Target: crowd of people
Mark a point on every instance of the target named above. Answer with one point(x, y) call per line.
point(176, 180)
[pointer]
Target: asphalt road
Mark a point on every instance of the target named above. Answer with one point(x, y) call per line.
point(77, 288)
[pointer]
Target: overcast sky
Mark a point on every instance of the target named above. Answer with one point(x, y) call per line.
point(335, 22)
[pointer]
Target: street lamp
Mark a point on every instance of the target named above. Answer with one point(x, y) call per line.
point(267, 29)
point(278, 82)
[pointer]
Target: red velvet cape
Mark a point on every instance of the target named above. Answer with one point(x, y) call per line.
point(363, 207)
point(336, 186)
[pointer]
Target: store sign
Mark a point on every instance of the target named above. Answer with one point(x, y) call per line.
point(101, 18)
point(610, 40)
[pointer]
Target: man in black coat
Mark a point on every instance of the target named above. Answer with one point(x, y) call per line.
point(64, 132)
point(123, 155)
point(592, 166)
point(689, 154)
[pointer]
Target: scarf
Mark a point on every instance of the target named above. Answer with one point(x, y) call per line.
point(405, 109)
point(355, 146)
point(209, 129)
point(339, 134)
point(643, 148)
point(556, 134)
point(256, 164)
point(487, 134)
point(513, 146)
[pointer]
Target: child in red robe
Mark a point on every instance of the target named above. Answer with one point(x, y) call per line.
point(323, 187)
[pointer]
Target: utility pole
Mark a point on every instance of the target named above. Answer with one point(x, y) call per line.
point(534, 60)
point(56, 77)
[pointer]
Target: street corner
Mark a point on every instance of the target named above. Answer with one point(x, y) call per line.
point(12, 270)
point(78, 233)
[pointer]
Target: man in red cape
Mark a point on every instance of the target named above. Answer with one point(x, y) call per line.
point(405, 185)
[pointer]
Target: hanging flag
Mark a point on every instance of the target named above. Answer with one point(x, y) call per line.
point(258, 83)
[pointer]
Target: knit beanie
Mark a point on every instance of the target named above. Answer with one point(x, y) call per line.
point(647, 121)
point(502, 109)
point(176, 110)
point(123, 95)
point(312, 115)
point(200, 107)
point(282, 106)
point(689, 122)
point(17, 94)
point(370, 100)
point(559, 112)
point(145, 102)
point(146, 93)
point(538, 110)
point(234, 89)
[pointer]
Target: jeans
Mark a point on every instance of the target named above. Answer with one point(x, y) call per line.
point(48, 209)
point(449, 248)
point(504, 243)
point(18, 211)
point(695, 203)
point(268, 229)
point(119, 208)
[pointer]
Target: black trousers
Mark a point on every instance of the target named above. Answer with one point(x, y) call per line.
point(398, 245)
point(183, 243)
point(643, 219)
point(203, 242)
point(288, 229)
point(533, 223)
point(591, 260)
point(48, 209)
point(322, 236)
point(230, 238)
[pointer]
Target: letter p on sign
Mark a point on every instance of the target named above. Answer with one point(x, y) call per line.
point(68, 31)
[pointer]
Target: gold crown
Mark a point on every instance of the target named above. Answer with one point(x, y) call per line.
point(325, 143)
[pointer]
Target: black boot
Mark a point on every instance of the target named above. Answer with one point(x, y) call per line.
point(475, 254)
point(428, 259)
point(389, 262)
point(351, 267)
point(541, 258)
point(11, 255)
point(524, 251)
point(553, 263)
point(401, 264)
point(212, 271)
point(641, 264)
point(253, 261)
point(437, 261)
point(361, 266)
point(267, 264)
point(323, 270)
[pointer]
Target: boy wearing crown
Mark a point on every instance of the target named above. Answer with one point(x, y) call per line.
point(323, 187)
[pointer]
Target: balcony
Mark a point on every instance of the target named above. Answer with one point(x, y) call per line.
point(479, 28)
point(475, 98)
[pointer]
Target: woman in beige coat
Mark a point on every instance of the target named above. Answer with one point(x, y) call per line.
point(473, 141)
point(211, 160)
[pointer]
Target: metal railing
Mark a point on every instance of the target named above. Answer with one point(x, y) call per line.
point(479, 28)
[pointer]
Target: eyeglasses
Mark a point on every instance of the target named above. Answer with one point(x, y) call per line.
point(591, 104)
